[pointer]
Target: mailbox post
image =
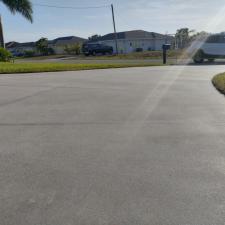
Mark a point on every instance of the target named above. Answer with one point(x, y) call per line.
point(165, 47)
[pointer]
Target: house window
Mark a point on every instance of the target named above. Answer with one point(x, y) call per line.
point(130, 44)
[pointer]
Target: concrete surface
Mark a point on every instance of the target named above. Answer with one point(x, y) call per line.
point(137, 146)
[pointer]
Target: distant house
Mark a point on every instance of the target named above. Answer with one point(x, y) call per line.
point(59, 44)
point(20, 48)
point(131, 41)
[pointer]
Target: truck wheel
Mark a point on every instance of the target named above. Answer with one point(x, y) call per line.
point(211, 60)
point(199, 60)
point(199, 57)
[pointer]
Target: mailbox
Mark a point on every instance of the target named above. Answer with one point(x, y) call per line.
point(166, 47)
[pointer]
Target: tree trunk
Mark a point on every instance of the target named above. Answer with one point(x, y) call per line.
point(2, 43)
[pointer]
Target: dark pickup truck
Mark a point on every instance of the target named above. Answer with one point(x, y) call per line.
point(94, 49)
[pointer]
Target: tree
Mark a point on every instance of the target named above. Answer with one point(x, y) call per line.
point(200, 36)
point(24, 7)
point(42, 46)
point(5, 55)
point(94, 37)
point(182, 37)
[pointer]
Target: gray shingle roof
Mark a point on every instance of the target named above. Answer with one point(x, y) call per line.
point(65, 40)
point(11, 44)
point(60, 41)
point(134, 34)
point(17, 45)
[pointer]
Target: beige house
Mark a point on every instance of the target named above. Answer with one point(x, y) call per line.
point(59, 44)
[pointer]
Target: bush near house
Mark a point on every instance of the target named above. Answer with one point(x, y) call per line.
point(51, 51)
point(42, 47)
point(5, 55)
point(29, 54)
point(73, 49)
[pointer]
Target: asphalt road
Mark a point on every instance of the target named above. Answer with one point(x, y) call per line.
point(138, 146)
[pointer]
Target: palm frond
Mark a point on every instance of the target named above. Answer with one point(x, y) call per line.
point(23, 7)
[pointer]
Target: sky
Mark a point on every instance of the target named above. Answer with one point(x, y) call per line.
point(163, 16)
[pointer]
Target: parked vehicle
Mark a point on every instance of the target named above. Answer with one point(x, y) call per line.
point(210, 49)
point(94, 49)
point(17, 54)
point(139, 50)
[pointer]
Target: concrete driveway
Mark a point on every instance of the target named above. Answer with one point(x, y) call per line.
point(139, 146)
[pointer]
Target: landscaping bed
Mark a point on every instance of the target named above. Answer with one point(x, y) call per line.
point(219, 82)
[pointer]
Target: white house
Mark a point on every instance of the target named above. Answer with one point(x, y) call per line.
point(17, 48)
point(131, 41)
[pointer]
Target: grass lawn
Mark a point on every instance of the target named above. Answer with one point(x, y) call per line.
point(135, 55)
point(219, 82)
point(42, 57)
point(6, 68)
point(147, 55)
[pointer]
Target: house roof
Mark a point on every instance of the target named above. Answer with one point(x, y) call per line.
point(14, 44)
point(27, 44)
point(67, 40)
point(58, 41)
point(133, 34)
point(11, 44)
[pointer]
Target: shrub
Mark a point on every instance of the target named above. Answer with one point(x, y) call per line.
point(73, 49)
point(29, 53)
point(51, 51)
point(5, 55)
point(42, 46)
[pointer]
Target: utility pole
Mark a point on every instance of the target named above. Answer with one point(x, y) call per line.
point(114, 26)
point(2, 43)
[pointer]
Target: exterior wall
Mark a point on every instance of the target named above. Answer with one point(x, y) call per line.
point(60, 45)
point(60, 49)
point(22, 49)
point(57, 49)
point(127, 46)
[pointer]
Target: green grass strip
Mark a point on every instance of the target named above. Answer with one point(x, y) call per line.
point(7, 68)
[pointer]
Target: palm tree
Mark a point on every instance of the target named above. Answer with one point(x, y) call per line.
point(24, 7)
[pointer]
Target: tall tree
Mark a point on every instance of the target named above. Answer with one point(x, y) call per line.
point(24, 7)
point(182, 37)
point(200, 36)
point(94, 37)
point(42, 46)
